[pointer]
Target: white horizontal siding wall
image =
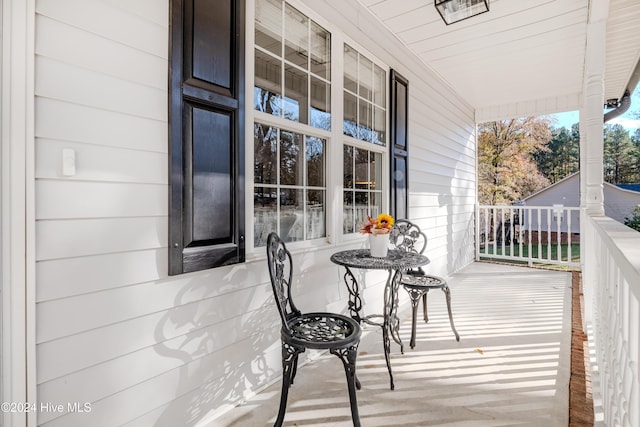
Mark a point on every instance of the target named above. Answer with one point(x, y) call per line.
point(112, 328)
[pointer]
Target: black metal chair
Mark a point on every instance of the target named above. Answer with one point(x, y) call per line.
point(407, 236)
point(321, 331)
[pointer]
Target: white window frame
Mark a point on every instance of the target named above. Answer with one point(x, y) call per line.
point(365, 145)
point(335, 138)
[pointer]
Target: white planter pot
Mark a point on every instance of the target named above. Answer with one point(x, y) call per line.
point(379, 245)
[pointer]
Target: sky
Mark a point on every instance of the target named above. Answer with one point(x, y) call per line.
point(626, 120)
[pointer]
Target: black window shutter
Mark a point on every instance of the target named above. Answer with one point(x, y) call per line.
point(206, 135)
point(399, 110)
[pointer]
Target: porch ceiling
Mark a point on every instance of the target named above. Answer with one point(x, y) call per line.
point(519, 52)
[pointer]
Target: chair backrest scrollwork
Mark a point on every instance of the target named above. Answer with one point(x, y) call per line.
point(281, 274)
point(408, 237)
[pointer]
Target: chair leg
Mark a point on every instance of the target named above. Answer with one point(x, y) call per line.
point(414, 296)
point(414, 314)
point(294, 370)
point(447, 294)
point(424, 306)
point(289, 363)
point(348, 357)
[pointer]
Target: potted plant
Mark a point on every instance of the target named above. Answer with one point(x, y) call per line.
point(378, 230)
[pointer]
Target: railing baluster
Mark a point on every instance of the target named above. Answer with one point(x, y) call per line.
point(559, 234)
point(519, 232)
point(548, 235)
point(494, 231)
point(530, 243)
point(510, 232)
point(539, 233)
point(569, 236)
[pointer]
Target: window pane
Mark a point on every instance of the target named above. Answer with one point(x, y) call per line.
point(269, 25)
point(361, 206)
point(315, 162)
point(365, 110)
point(265, 207)
point(268, 84)
point(320, 104)
point(379, 86)
point(315, 214)
point(265, 198)
point(349, 220)
point(296, 37)
point(376, 171)
point(296, 104)
point(347, 168)
point(365, 119)
point(350, 122)
point(350, 69)
point(265, 144)
point(376, 204)
point(362, 169)
point(379, 135)
point(365, 78)
point(291, 215)
point(367, 198)
point(290, 158)
point(320, 51)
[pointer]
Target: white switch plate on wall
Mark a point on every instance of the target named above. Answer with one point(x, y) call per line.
point(68, 162)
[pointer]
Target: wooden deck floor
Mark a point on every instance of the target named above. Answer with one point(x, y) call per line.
point(511, 367)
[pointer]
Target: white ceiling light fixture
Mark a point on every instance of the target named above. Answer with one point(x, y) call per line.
point(456, 10)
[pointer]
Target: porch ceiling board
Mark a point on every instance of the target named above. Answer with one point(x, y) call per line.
point(520, 53)
point(623, 45)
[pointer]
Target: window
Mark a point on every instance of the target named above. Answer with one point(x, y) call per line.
point(292, 84)
point(364, 121)
point(362, 190)
point(365, 116)
point(292, 65)
point(293, 131)
point(289, 191)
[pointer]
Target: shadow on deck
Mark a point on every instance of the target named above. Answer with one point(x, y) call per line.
point(511, 366)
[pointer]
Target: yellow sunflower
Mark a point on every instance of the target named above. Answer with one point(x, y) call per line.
point(384, 221)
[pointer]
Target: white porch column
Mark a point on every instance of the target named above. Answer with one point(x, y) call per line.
point(591, 141)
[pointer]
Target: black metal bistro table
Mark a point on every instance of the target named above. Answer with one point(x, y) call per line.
point(396, 262)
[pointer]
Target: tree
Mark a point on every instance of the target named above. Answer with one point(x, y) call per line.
point(634, 220)
point(562, 156)
point(507, 171)
point(618, 152)
point(635, 154)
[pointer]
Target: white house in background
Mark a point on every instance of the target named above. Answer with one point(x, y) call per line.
point(618, 202)
point(148, 147)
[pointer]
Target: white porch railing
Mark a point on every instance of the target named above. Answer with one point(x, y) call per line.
point(611, 279)
point(532, 234)
point(611, 276)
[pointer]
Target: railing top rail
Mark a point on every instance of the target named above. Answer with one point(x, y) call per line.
point(624, 245)
point(570, 208)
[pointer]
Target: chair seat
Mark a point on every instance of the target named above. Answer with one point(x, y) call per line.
point(422, 281)
point(322, 331)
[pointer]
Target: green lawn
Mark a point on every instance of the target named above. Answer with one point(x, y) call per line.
point(486, 252)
